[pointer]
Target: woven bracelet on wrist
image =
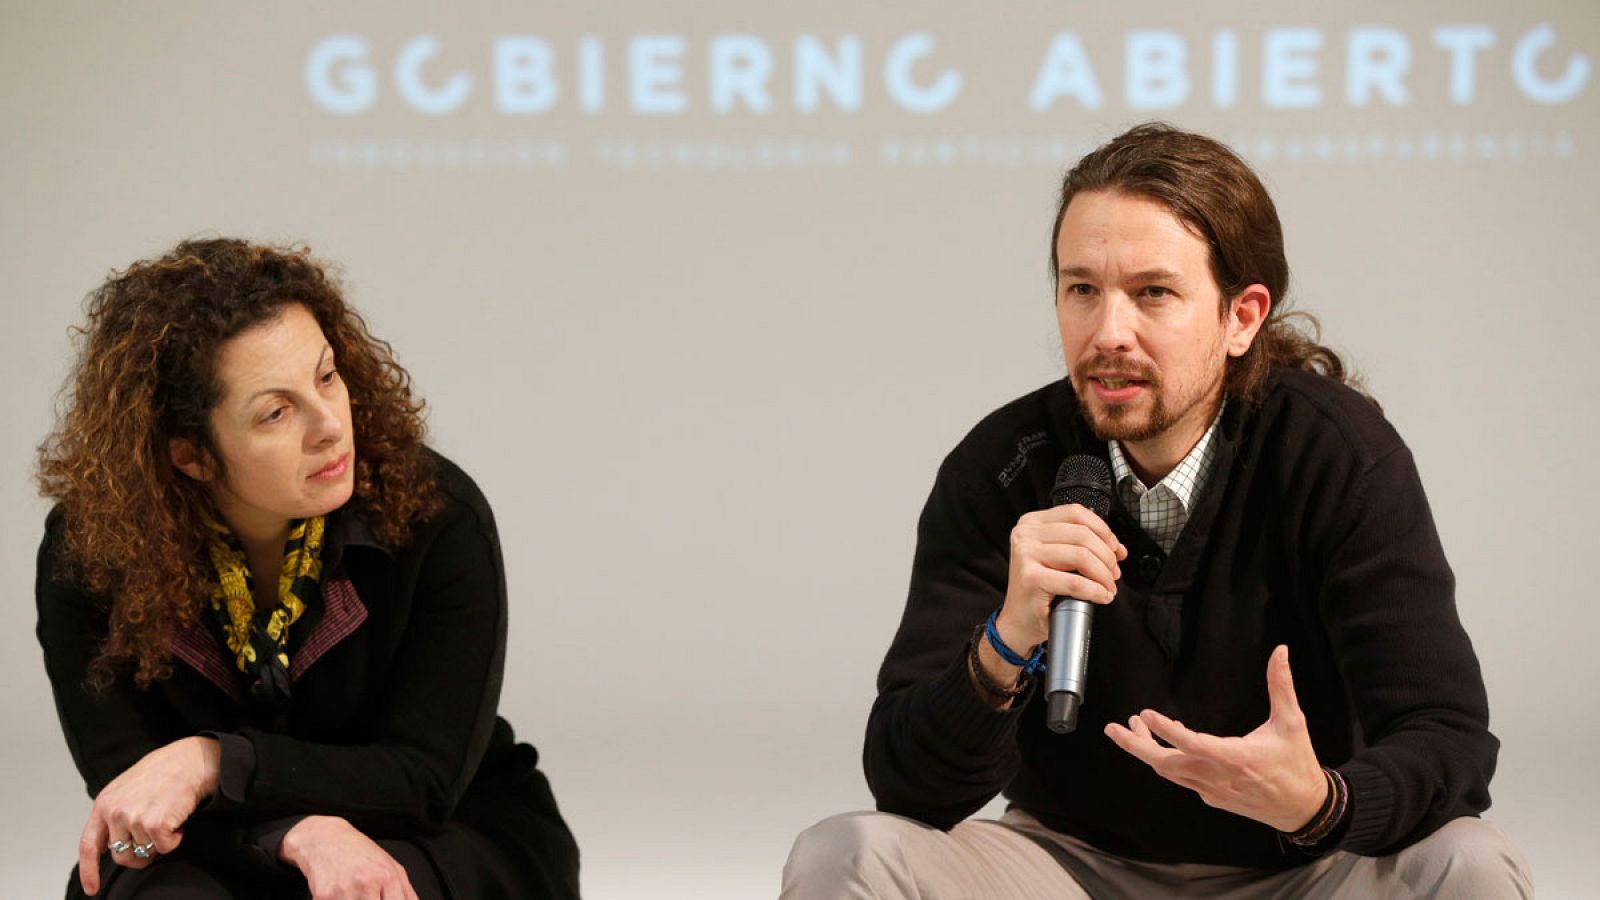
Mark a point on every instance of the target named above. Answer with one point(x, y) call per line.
point(1328, 817)
point(1308, 833)
point(981, 676)
point(1031, 665)
point(1344, 802)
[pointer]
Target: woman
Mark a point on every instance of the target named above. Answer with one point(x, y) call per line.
point(273, 620)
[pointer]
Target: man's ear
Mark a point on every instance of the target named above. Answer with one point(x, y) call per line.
point(1246, 314)
point(191, 459)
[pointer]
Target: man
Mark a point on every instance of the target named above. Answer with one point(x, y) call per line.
point(1280, 698)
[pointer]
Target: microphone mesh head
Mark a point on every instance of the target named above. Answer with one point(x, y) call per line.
point(1084, 479)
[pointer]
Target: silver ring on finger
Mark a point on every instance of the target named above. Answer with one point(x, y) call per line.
point(120, 846)
point(145, 851)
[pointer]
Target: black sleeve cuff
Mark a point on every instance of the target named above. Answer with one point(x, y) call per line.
point(237, 768)
point(1371, 807)
point(964, 718)
point(265, 840)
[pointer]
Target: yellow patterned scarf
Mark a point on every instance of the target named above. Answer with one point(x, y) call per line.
point(259, 640)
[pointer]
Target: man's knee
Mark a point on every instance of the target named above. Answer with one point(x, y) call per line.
point(1468, 857)
point(851, 849)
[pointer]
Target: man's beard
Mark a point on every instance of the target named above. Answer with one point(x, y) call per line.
point(1121, 422)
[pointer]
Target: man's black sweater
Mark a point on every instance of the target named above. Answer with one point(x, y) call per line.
point(1312, 530)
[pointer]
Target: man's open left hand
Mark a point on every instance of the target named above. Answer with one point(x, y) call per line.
point(1270, 775)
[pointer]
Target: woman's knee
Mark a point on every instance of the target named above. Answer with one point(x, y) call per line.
point(173, 879)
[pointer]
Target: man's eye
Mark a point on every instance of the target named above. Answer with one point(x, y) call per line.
point(1080, 290)
point(1157, 291)
point(274, 416)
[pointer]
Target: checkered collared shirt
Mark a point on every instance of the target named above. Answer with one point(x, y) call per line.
point(1163, 509)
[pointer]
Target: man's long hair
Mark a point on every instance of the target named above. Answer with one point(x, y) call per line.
point(1217, 196)
point(135, 527)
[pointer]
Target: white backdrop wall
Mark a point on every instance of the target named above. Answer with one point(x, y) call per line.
point(701, 293)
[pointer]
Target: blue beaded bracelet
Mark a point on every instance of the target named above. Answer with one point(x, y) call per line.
point(1031, 665)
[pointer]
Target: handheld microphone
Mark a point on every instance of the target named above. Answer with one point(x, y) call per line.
point(1083, 479)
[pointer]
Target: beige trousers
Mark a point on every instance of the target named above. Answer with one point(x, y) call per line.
point(880, 856)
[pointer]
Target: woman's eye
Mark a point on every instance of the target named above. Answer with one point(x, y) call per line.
point(274, 416)
point(332, 374)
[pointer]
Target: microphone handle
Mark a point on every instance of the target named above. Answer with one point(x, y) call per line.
point(1071, 622)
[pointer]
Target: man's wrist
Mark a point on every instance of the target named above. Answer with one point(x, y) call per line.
point(1330, 813)
point(997, 670)
point(1020, 639)
point(997, 681)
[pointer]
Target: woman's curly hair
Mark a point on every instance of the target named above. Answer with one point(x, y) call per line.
point(135, 529)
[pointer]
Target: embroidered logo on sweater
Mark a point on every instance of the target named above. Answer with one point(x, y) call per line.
point(1025, 445)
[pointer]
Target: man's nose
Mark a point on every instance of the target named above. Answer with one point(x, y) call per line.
point(1113, 326)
